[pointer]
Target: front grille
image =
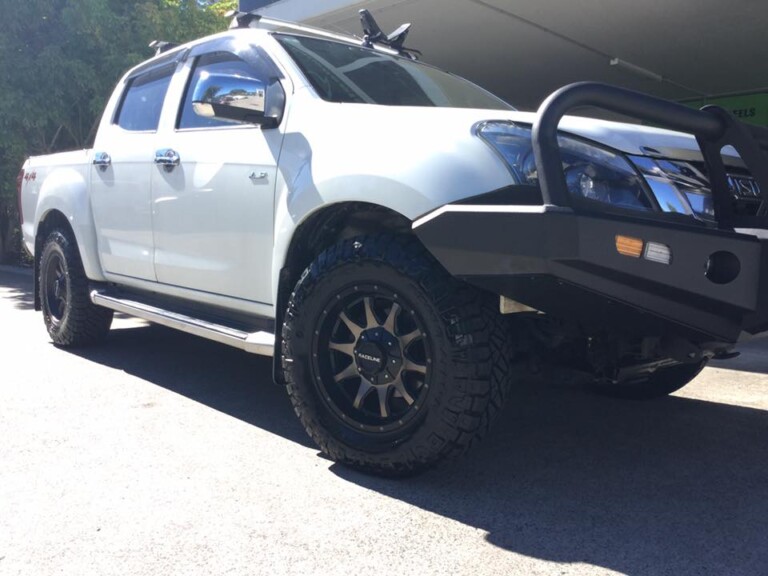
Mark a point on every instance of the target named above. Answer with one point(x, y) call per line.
point(746, 193)
point(745, 189)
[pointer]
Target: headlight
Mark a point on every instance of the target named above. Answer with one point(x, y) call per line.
point(680, 187)
point(591, 173)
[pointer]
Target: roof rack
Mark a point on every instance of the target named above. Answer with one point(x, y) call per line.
point(372, 33)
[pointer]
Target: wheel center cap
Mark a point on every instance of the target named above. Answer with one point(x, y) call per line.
point(370, 357)
point(378, 356)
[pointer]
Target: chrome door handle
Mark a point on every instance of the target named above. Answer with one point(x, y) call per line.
point(102, 160)
point(168, 158)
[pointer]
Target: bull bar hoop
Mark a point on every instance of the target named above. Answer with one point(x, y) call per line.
point(713, 127)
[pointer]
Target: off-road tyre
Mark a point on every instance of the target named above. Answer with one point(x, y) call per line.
point(662, 382)
point(69, 315)
point(464, 346)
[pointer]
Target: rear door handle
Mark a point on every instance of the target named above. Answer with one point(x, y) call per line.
point(168, 158)
point(102, 160)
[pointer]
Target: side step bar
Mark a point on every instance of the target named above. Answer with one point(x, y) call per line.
point(262, 343)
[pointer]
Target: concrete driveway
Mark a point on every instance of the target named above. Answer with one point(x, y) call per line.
point(159, 453)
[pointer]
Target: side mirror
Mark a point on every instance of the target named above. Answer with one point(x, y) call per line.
point(239, 99)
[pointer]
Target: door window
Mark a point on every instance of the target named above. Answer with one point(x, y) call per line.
point(143, 99)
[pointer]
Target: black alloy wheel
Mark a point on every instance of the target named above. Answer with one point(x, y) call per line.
point(56, 287)
point(371, 359)
point(69, 315)
point(391, 364)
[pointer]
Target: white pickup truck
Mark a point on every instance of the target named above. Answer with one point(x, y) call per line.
point(400, 240)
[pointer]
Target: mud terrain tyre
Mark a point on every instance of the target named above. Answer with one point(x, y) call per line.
point(69, 315)
point(391, 364)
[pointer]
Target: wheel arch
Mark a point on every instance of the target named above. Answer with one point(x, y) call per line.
point(316, 232)
point(64, 199)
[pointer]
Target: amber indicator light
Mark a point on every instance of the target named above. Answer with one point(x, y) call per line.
point(628, 246)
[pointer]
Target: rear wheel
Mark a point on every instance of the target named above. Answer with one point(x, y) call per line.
point(391, 364)
point(70, 316)
point(662, 382)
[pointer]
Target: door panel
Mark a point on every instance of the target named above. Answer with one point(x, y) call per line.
point(120, 183)
point(213, 213)
point(121, 201)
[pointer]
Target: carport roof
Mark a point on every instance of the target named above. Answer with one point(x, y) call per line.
point(522, 49)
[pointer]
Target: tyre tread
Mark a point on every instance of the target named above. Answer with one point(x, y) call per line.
point(83, 323)
point(479, 350)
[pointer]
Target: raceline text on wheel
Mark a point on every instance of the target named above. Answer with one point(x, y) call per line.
point(391, 364)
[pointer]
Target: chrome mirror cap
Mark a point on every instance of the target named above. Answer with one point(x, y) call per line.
point(236, 98)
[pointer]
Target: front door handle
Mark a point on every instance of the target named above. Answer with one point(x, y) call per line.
point(102, 160)
point(168, 158)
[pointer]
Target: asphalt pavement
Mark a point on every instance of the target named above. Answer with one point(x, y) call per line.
point(159, 453)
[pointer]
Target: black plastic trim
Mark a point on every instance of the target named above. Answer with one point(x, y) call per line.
point(250, 53)
point(204, 312)
point(171, 59)
point(567, 264)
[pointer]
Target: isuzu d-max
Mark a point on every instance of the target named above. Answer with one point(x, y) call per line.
point(400, 240)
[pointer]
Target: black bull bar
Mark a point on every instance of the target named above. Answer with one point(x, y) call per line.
point(561, 257)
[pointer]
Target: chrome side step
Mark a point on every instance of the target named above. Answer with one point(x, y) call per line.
point(254, 342)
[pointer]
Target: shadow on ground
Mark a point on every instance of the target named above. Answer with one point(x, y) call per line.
point(676, 486)
point(753, 358)
point(223, 378)
point(17, 287)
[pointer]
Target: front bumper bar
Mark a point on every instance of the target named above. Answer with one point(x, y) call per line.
point(562, 257)
point(567, 264)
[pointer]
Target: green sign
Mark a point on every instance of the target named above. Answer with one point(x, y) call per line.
point(750, 108)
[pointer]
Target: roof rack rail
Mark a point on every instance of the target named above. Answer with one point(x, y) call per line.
point(160, 46)
point(373, 34)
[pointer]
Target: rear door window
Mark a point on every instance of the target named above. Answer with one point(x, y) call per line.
point(143, 100)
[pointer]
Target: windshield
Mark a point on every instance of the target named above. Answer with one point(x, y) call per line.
point(353, 74)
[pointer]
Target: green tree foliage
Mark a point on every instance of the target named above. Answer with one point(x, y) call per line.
point(61, 60)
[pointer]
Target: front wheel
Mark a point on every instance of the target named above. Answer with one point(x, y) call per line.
point(70, 316)
point(391, 364)
point(662, 382)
